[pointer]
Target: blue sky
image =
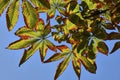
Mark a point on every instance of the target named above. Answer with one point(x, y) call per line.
point(108, 67)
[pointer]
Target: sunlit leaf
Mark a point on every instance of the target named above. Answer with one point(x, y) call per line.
point(3, 5)
point(103, 48)
point(12, 14)
point(56, 57)
point(41, 5)
point(61, 67)
point(51, 45)
point(19, 44)
point(40, 25)
point(47, 29)
point(43, 50)
point(51, 12)
point(25, 31)
point(30, 14)
point(116, 47)
point(90, 4)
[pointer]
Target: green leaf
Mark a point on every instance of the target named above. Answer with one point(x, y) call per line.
point(64, 52)
point(25, 31)
point(56, 57)
point(69, 26)
point(56, 5)
point(75, 19)
point(28, 53)
point(41, 5)
point(30, 14)
point(90, 4)
point(22, 43)
point(102, 47)
point(72, 7)
point(116, 47)
point(51, 46)
point(76, 66)
point(40, 25)
point(61, 67)
point(43, 50)
point(51, 12)
point(12, 14)
point(83, 43)
point(91, 51)
point(90, 66)
point(3, 5)
point(47, 29)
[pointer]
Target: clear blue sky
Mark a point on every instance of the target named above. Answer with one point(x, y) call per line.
point(108, 66)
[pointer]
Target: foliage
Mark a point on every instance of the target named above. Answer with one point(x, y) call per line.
point(84, 24)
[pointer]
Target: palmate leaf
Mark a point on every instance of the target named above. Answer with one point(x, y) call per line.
point(56, 5)
point(66, 54)
point(62, 66)
point(33, 40)
point(81, 25)
point(41, 5)
point(3, 5)
point(12, 14)
point(30, 14)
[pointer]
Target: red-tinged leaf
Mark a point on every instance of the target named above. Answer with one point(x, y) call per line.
point(90, 66)
point(43, 50)
point(51, 46)
point(30, 14)
point(116, 47)
point(28, 53)
point(76, 66)
point(19, 44)
point(3, 5)
point(12, 14)
point(56, 57)
point(61, 67)
point(63, 48)
point(40, 25)
point(103, 48)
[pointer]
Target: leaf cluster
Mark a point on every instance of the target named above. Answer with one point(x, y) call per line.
point(84, 25)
